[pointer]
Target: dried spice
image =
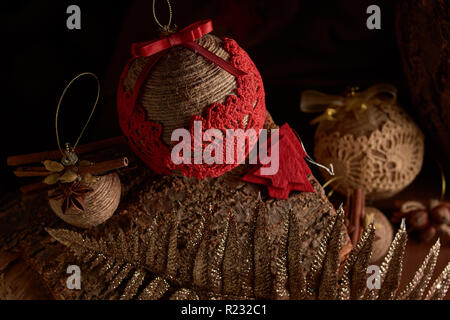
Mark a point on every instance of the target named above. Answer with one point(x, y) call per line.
point(72, 195)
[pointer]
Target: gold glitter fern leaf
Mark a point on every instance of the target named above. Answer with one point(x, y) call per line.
point(236, 262)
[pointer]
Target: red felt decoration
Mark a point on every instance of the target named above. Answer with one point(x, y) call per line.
point(292, 171)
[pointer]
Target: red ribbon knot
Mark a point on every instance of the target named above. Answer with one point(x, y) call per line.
point(186, 38)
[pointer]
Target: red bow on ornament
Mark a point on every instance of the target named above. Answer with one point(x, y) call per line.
point(185, 37)
point(292, 171)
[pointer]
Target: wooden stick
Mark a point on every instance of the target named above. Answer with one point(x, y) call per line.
point(31, 172)
point(347, 208)
point(352, 216)
point(362, 199)
point(102, 155)
point(357, 211)
point(56, 154)
point(98, 168)
point(104, 166)
point(35, 187)
point(94, 169)
point(362, 205)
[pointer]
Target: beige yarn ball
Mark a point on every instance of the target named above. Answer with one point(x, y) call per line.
point(383, 232)
point(101, 203)
point(379, 150)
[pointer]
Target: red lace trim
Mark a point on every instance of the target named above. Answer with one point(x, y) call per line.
point(144, 136)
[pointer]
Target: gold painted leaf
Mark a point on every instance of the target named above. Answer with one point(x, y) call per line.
point(416, 288)
point(135, 263)
point(68, 177)
point(328, 289)
point(392, 265)
point(52, 178)
point(53, 166)
point(440, 287)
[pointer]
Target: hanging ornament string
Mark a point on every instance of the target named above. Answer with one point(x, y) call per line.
point(165, 28)
point(330, 170)
point(69, 156)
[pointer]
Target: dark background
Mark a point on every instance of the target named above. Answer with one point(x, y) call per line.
point(296, 45)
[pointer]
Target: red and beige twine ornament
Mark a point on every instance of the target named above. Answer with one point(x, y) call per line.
point(185, 76)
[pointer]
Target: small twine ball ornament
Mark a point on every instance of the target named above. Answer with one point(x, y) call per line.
point(196, 76)
point(100, 203)
point(383, 232)
point(78, 196)
point(371, 142)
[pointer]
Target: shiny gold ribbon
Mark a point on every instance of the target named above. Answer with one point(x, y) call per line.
point(326, 184)
point(332, 106)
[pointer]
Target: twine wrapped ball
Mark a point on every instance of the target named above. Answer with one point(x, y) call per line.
point(183, 87)
point(379, 148)
point(383, 233)
point(100, 203)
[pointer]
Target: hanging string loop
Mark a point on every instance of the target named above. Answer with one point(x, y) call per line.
point(165, 28)
point(69, 155)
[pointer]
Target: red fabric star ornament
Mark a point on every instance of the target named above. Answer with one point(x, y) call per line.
point(292, 171)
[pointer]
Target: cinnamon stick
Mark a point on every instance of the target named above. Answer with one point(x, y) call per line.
point(358, 204)
point(95, 169)
point(104, 166)
point(31, 172)
point(56, 154)
point(362, 199)
point(347, 208)
point(35, 187)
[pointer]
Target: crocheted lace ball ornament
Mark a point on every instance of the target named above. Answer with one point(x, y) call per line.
point(100, 203)
point(379, 150)
point(184, 87)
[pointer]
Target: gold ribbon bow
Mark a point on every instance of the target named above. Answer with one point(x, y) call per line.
point(332, 105)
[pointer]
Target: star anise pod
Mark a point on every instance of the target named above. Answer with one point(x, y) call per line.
point(72, 195)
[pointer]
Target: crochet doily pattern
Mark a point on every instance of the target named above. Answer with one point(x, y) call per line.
point(382, 161)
